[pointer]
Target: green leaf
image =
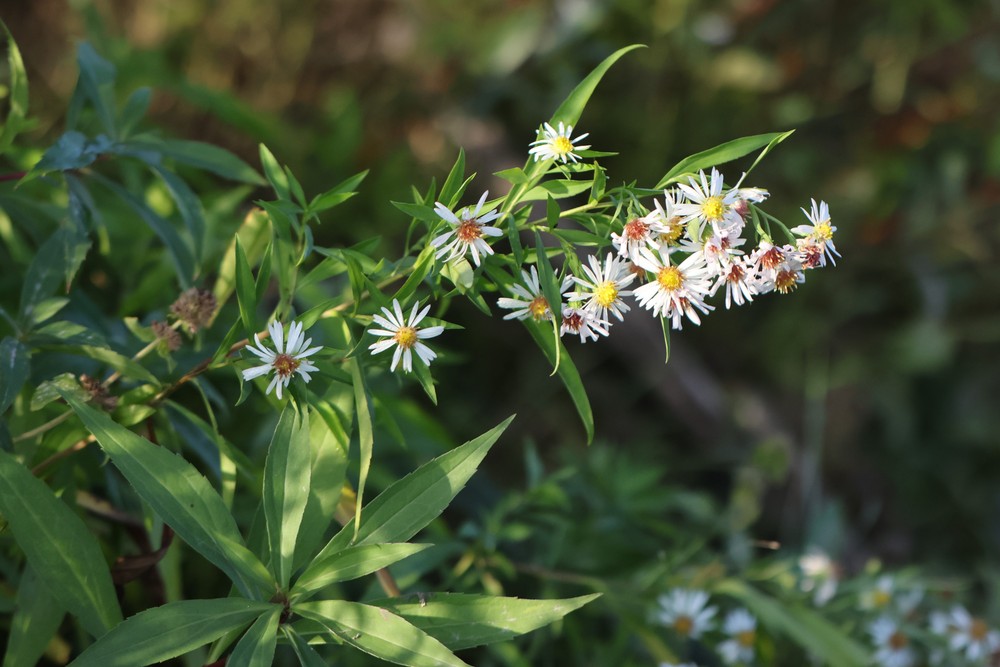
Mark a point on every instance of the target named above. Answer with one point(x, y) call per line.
point(418, 211)
point(274, 173)
point(246, 291)
point(286, 489)
point(306, 654)
point(815, 634)
point(462, 621)
point(60, 256)
point(557, 189)
point(36, 618)
point(572, 107)
point(366, 435)
point(188, 205)
point(182, 497)
point(351, 563)
point(552, 212)
point(14, 369)
point(514, 176)
point(135, 108)
point(450, 191)
point(727, 152)
point(203, 156)
point(97, 84)
point(423, 265)
point(256, 648)
point(17, 94)
point(173, 629)
point(337, 194)
point(567, 373)
point(56, 542)
point(409, 504)
point(380, 633)
point(51, 390)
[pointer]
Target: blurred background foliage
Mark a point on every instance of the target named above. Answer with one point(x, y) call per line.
point(858, 415)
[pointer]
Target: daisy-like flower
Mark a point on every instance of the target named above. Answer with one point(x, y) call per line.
point(880, 596)
point(557, 144)
point(741, 627)
point(686, 612)
point(819, 576)
point(530, 301)
point(676, 291)
point(892, 646)
point(719, 247)
point(739, 282)
point(972, 636)
point(468, 229)
point(639, 233)
point(285, 360)
point(707, 203)
point(405, 335)
point(604, 287)
point(583, 323)
point(819, 233)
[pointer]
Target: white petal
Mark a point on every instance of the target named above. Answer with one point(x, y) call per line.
point(395, 358)
point(429, 332)
point(274, 381)
point(256, 372)
point(277, 336)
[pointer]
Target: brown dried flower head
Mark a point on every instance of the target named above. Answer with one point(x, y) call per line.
point(194, 308)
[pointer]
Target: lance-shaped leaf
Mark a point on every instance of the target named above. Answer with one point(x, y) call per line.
point(57, 543)
point(14, 369)
point(461, 621)
point(555, 352)
point(409, 504)
point(305, 653)
point(17, 95)
point(182, 497)
point(571, 108)
point(256, 648)
point(286, 489)
point(351, 563)
point(366, 436)
point(203, 156)
point(727, 152)
point(37, 617)
point(165, 632)
point(380, 633)
point(246, 292)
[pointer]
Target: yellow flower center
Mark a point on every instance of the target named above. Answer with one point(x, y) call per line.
point(670, 278)
point(284, 365)
point(712, 208)
point(539, 308)
point(405, 337)
point(746, 638)
point(468, 231)
point(683, 625)
point(606, 294)
point(898, 641)
point(823, 230)
point(880, 598)
point(674, 231)
point(562, 145)
point(978, 630)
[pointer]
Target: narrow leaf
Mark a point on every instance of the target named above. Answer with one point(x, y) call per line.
point(366, 436)
point(256, 648)
point(14, 369)
point(572, 107)
point(182, 497)
point(97, 81)
point(56, 542)
point(461, 621)
point(567, 373)
point(37, 617)
point(380, 633)
point(450, 191)
point(351, 563)
point(17, 96)
point(246, 291)
point(286, 489)
point(203, 156)
point(173, 629)
point(307, 656)
point(727, 152)
point(274, 173)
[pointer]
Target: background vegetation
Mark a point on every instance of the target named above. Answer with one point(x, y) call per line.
point(858, 416)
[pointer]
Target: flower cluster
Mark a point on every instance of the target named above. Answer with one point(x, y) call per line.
point(687, 614)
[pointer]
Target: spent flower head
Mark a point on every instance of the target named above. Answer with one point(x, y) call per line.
point(405, 335)
point(468, 231)
point(288, 358)
point(194, 307)
point(558, 144)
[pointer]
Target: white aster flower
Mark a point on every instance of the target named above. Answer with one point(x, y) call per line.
point(972, 636)
point(530, 301)
point(818, 234)
point(892, 646)
point(741, 627)
point(686, 612)
point(880, 596)
point(739, 282)
point(819, 576)
point(557, 144)
point(707, 203)
point(284, 360)
point(583, 323)
point(468, 229)
point(405, 335)
point(604, 287)
point(676, 291)
point(660, 227)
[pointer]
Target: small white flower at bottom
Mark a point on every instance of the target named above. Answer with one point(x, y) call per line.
point(686, 612)
point(892, 646)
point(741, 627)
point(819, 233)
point(972, 636)
point(582, 322)
point(405, 335)
point(285, 360)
